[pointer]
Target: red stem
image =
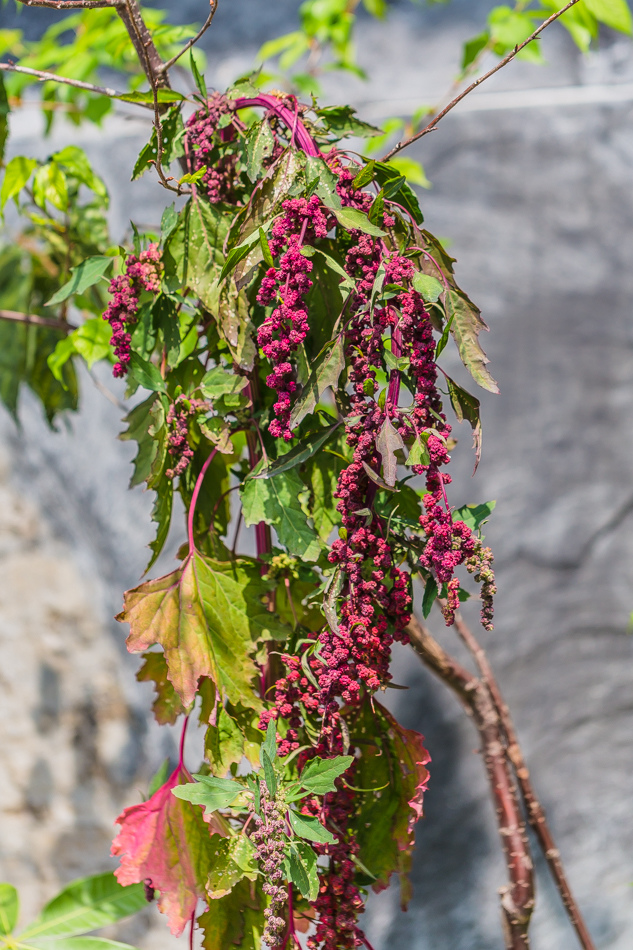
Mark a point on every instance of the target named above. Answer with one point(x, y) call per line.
point(367, 943)
point(193, 924)
point(292, 122)
point(194, 499)
point(181, 750)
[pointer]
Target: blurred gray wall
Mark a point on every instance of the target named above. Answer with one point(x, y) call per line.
point(532, 185)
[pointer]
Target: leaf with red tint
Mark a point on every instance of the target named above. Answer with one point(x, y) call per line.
point(392, 774)
point(210, 618)
point(166, 840)
point(167, 705)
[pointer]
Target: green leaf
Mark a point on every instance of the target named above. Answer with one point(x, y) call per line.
point(146, 426)
point(213, 793)
point(84, 275)
point(342, 121)
point(161, 516)
point(224, 742)
point(4, 122)
point(326, 373)
point(393, 763)
point(146, 374)
point(77, 943)
point(613, 13)
point(9, 908)
point(472, 48)
point(296, 872)
point(268, 257)
point(353, 220)
point(162, 95)
point(64, 351)
point(209, 616)
point(429, 288)
point(322, 474)
point(86, 904)
point(305, 826)
point(50, 184)
point(430, 595)
point(92, 340)
point(238, 254)
point(385, 171)
point(172, 135)
point(260, 145)
point(167, 705)
point(276, 501)
point(235, 860)
point(466, 326)
point(235, 920)
point(269, 745)
point(269, 773)
point(220, 382)
point(161, 775)
point(197, 76)
point(168, 222)
point(322, 179)
point(307, 856)
point(474, 516)
point(16, 175)
point(467, 406)
point(377, 8)
point(365, 175)
point(418, 453)
point(301, 452)
point(319, 774)
point(76, 161)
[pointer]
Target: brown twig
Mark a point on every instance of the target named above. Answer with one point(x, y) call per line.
point(143, 43)
point(192, 42)
point(517, 897)
point(504, 62)
point(33, 319)
point(534, 809)
point(77, 83)
point(71, 4)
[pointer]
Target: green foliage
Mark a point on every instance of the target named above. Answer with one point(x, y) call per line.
point(83, 906)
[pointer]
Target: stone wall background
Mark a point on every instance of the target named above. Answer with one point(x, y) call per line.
point(532, 184)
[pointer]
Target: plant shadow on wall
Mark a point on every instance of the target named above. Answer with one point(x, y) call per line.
point(280, 341)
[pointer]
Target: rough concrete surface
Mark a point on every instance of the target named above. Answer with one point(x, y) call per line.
point(537, 202)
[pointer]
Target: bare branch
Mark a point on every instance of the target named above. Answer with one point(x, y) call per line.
point(33, 319)
point(77, 83)
point(193, 40)
point(517, 897)
point(71, 4)
point(534, 809)
point(143, 43)
point(504, 62)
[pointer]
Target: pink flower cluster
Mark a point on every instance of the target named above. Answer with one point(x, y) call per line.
point(202, 137)
point(141, 273)
point(178, 416)
point(286, 286)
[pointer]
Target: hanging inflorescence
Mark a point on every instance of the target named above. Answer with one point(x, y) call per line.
point(315, 691)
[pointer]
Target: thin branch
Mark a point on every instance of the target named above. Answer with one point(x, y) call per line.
point(33, 319)
point(77, 83)
point(143, 43)
point(517, 897)
point(534, 809)
point(192, 42)
point(504, 62)
point(71, 4)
